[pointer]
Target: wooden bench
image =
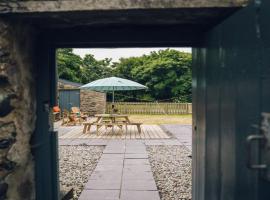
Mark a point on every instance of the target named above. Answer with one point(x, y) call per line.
point(136, 124)
point(87, 125)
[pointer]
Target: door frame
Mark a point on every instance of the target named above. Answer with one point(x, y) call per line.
point(47, 182)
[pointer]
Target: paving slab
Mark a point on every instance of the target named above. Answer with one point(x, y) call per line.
point(106, 176)
point(116, 142)
point(100, 184)
point(64, 141)
point(183, 133)
point(140, 162)
point(114, 149)
point(81, 142)
point(137, 168)
point(136, 156)
point(146, 176)
point(112, 156)
point(143, 185)
point(111, 162)
point(124, 166)
point(108, 173)
point(172, 142)
point(136, 151)
point(115, 168)
point(153, 142)
point(100, 195)
point(139, 195)
point(97, 142)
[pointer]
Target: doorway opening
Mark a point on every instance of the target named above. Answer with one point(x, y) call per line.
point(145, 150)
point(210, 48)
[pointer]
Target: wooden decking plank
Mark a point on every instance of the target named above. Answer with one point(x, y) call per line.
point(155, 132)
point(71, 133)
point(151, 132)
point(123, 136)
point(129, 133)
point(137, 134)
point(102, 130)
point(142, 133)
point(133, 133)
point(162, 134)
point(118, 133)
point(148, 132)
point(159, 131)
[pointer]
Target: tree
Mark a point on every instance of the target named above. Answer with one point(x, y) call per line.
point(73, 68)
point(167, 74)
point(95, 69)
point(69, 65)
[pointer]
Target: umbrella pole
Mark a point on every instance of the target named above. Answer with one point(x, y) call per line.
point(113, 97)
point(113, 101)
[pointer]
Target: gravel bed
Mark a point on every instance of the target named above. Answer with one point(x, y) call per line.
point(76, 163)
point(171, 167)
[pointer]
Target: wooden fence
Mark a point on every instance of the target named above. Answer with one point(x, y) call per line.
point(150, 108)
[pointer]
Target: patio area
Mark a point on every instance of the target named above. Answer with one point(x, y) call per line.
point(148, 132)
point(153, 165)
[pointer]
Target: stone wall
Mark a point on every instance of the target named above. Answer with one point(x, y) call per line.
point(92, 102)
point(17, 111)
point(23, 6)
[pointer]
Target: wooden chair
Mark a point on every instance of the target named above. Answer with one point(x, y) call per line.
point(74, 119)
point(65, 116)
point(70, 119)
point(56, 113)
point(76, 111)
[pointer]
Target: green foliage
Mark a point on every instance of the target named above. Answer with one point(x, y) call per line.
point(167, 73)
point(69, 65)
point(95, 69)
point(73, 68)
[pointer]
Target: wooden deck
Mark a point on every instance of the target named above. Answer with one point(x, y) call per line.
point(148, 132)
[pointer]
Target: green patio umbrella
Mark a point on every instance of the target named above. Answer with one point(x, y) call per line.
point(113, 84)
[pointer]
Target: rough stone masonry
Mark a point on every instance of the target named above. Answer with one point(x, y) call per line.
point(17, 108)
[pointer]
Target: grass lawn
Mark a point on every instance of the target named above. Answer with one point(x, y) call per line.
point(162, 119)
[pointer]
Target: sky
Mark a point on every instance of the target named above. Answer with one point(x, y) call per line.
point(116, 53)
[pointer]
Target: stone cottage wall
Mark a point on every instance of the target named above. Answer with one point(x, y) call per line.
point(17, 111)
point(92, 102)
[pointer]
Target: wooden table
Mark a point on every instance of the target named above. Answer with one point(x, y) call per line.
point(111, 120)
point(112, 117)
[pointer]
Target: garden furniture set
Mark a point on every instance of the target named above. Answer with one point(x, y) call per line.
point(111, 120)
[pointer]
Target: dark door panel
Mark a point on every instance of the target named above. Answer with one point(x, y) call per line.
point(234, 64)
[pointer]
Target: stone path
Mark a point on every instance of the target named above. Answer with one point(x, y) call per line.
point(123, 172)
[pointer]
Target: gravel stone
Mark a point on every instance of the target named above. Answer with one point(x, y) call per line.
point(76, 163)
point(171, 167)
